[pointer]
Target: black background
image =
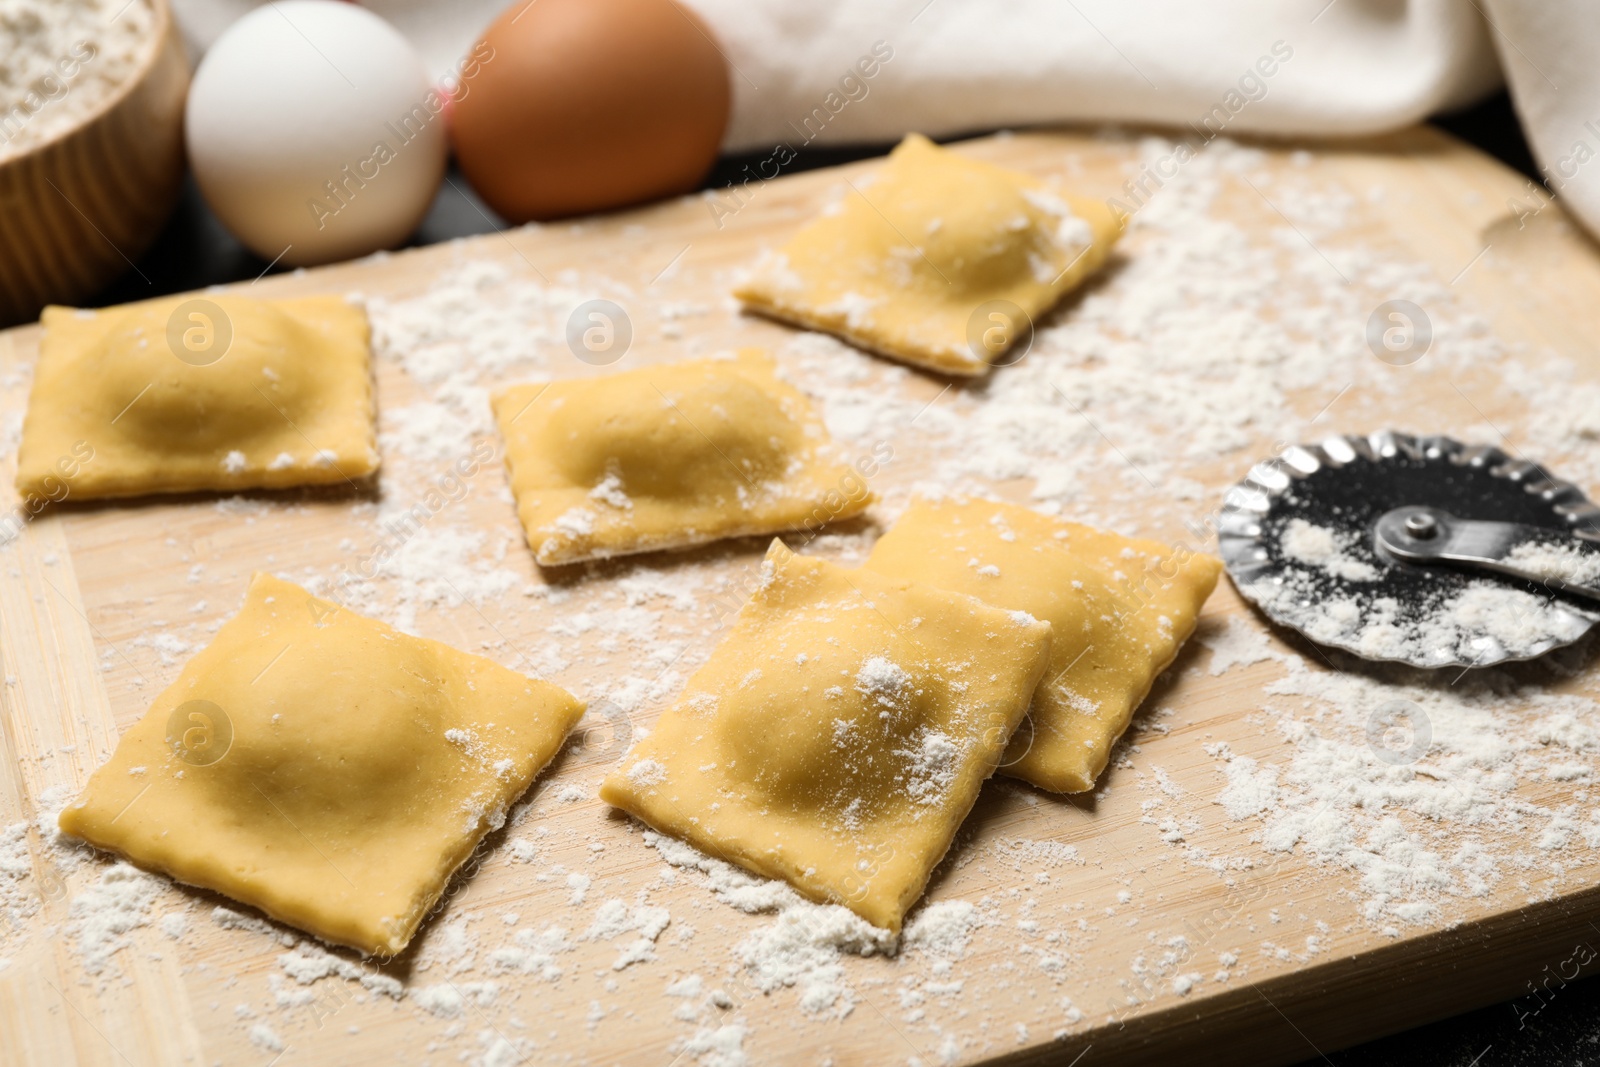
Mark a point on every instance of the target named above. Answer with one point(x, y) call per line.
point(195, 251)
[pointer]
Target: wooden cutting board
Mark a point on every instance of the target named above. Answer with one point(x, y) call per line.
point(82, 585)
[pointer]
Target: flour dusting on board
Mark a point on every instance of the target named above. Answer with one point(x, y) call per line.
point(1409, 797)
point(18, 901)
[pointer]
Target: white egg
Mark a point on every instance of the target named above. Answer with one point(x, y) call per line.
point(315, 133)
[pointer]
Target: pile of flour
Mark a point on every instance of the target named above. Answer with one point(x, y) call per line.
point(61, 59)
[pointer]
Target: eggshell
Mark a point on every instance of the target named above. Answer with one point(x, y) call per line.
point(315, 132)
point(584, 105)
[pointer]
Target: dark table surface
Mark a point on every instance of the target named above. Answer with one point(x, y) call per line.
point(194, 251)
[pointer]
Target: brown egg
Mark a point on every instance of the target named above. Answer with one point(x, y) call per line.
point(583, 105)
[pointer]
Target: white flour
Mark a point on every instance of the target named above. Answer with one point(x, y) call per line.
point(104, 914)
point(1235, 641)
point(934, 764)
point(1568, 563)
point(1339, 799)
point(19, 900)
point(1325, 549)
point(61, 59)
point(883, 682)
point(615, 919)
point(1045, 854)
point(722, 1046)
point(805, 946)
point(803, 950)
point(1464, 627)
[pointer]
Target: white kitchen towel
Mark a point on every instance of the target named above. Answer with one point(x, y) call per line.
point(1323, 68)
point(1336, 69)
point(1550, 52)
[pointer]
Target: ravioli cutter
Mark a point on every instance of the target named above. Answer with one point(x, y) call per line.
point(1418, 550)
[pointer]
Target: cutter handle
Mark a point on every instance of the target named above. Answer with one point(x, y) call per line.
point(1532, 553)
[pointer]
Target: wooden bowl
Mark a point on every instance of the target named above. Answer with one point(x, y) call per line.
point(77, 209)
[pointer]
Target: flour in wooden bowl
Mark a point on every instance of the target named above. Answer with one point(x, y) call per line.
point(61, 59)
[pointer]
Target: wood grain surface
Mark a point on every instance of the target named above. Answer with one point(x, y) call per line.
point(83, 587)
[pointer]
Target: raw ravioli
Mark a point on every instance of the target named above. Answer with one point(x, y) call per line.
point(669, 456)
point(938, 260)
point(191, 393)
point(839, 735)
point(1121, 608)
point(323, 767)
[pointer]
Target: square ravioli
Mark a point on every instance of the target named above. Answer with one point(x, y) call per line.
point(1120, 608)
point(839, 735)
point(939, 260)
point(323, 767)
point(670, 456)
point(193, 393)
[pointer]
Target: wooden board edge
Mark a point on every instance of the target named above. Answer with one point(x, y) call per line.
point(1337, 1004)
point(56, 727)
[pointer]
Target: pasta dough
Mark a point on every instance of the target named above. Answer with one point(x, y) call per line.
point(183, 393)
point(935, 260)
point(667, 457)
point(1120, 609)
point(839, 735)
point(323, 767)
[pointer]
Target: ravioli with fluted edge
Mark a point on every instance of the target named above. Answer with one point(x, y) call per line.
point(938, 260)
point(188, 393)
point(670, 456)
point(323, 767)
point(1120, 608)
point(839, 734)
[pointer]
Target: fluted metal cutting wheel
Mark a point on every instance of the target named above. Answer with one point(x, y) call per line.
point(1339, 488)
